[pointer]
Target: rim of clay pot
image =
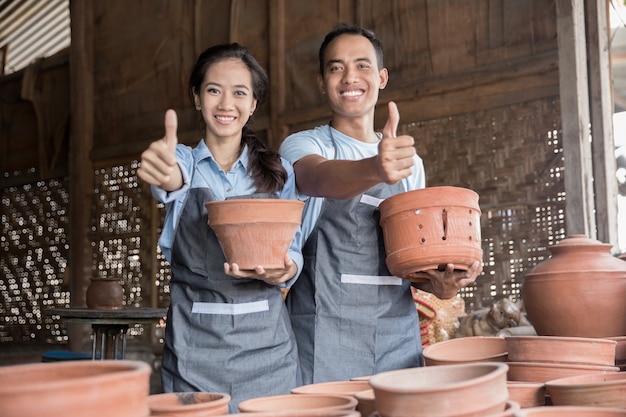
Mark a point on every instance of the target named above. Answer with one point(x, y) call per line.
point(236, 204)
point(396, 380)
point(484, 349)
point(571, 411)
point(604, 379)
point(333, 387)
point(298, 402)
point(169, 402)
point(38, 376)
point(445, 195)
point(300, 413)
point(570, 350)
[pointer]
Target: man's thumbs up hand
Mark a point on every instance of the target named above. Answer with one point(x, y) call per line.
point(395, 153)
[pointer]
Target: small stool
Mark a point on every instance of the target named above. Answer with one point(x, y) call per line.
point(63, 355)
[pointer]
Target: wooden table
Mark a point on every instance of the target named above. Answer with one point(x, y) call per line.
point(109, 327)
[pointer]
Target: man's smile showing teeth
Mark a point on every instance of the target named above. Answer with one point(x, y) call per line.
point(352, 93)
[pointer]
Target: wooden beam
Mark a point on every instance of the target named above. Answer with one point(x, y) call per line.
point(579, 200)
point(601, 105)
point(278, 129)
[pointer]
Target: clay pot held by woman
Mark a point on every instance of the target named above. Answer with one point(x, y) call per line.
point(105, 294)
point(255, 231)
point(117, 388)
point(579, 291)
point(188, 404)
point(429, 228)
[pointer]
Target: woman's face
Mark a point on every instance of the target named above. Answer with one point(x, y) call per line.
point(226, 99)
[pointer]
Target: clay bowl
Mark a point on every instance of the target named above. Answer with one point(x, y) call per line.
point(546, 371)
point(366, 402)
point(189, 404)
point(117, 388)
point(466, 350)
point(510, 410)
point(571, 411)
point(334, 388)
point(312, 412)
point(598, 390)
point(471, 389)
point(557, 349)
point(296, 402)
point(255, 231)
point(424, 229)
point(527, 394)
point(620, 349)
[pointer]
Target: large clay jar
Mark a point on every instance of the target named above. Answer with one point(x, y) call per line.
point(255, 231)
point(117, 388)
point(429, 228)
point(105, 294)
point(579, 291)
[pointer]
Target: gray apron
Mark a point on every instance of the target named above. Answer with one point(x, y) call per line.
point(223, 334)
point(350, 316)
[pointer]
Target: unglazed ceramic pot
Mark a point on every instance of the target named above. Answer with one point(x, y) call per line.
point(527, 394)
point(429, 228)
point(571, 411)
point(468, 390)
point(598, 390)
point(312, 403)
point(105, 294)
point(333, 387)
point(579, 291)
point(117, 388)
point(255, 231)
point(558, 349)
point(366, 402)
point(188, 404)
point(466, 350)
point(547, 371)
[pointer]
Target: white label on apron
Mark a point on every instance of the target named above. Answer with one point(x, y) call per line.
point(231, 309)
point(370, 279)
point(372, 201)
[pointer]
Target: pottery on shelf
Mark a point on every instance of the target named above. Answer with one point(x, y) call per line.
point(466, 350)
point(117, 388)
point(527, 394)
point(571, 411)
point(599, 389)
point(313, 403)
point(255, 231)
point(579, 291)
point(560, 349)
point(472, 389)
point(429, 228)
point(105, 294)
point(547, 371)
point(189, 404)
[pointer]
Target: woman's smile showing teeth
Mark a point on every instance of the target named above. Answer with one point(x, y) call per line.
point(225, 119)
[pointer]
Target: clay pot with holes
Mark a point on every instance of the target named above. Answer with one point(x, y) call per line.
point(429, 228)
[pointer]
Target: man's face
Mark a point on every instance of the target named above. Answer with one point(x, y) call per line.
point(351, 77)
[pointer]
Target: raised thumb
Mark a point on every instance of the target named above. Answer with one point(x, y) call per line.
point(171, 128)
point(393, 119)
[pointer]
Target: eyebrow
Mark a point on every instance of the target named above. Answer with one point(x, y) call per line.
point(219, 85)
point(340, 61)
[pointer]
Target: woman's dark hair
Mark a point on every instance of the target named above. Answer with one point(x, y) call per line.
point(264, 166)
point(345, 29)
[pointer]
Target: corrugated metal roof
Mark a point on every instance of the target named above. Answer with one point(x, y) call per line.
point(31, 29)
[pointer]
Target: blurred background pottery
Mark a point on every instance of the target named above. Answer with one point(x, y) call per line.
point(105, 294)
point(366, 402)
point(579, 291)
point(427, 228)
point(547, 371)
point(527, 394)
point(466, 350)
point(189, 404)
point(255, 231)
point(318, 403)
point(598, 390)
point(558, 349)
point(571, 411)
point(333, 388)
point(472, 389)
point(117, 388)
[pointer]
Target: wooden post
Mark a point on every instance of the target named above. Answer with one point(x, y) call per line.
point(278, 130)
point(601, 104)
point(80, 166)
point(573, 85)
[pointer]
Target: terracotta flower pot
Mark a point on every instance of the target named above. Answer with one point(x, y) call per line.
point(557, 349)
point(547, 371)
point(105, 294)
point(571, 411)
point(318, 403)
point(189, 404)
point(333, 388)
point(599, 390)
point(255, 231)
point(429, 228)
point(527, 394)
point(466, 350)
point(473, 389)
point(117, 388)
point(579, 291)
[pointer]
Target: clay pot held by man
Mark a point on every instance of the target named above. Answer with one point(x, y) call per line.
point(429, 228)
point(579, 291)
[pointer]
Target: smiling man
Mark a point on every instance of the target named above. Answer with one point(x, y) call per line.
point(350, 316)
